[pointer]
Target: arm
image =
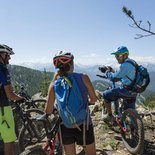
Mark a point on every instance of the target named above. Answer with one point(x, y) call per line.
point(90, 89)
point(10, 94)
point(50, 100)
point(118, 75)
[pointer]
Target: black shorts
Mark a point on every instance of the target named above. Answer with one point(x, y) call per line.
point(72, 135)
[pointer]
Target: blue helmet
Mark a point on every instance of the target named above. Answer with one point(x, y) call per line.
point(121, 50)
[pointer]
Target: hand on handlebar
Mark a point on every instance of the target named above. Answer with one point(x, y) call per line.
point(111, 69)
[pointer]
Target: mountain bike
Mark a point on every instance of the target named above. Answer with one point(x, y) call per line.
point(21, 114)
point(28, 130)
point(130, 125)
point(25, 119)
point(53, 145)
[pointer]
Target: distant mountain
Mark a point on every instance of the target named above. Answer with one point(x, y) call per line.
point(148, 63)
point(30, 78)
point(92, 70)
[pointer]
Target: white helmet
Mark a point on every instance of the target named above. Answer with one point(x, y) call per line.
point(62, 58)
point(6, 49)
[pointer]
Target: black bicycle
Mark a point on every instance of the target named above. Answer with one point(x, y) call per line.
point(52, 146)
point(130, 125)
point(28, 130)
point(25, 119)
point(31, 103)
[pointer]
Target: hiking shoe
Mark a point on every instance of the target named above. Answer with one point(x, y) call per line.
point(109, 119)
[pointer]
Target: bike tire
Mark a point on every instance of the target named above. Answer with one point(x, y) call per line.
point(30, 132)
point(133, 139)
point(37, 150)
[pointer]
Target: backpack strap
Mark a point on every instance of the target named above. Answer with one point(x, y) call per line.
point(133, 63)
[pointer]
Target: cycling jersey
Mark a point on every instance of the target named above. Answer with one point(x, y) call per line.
point(126, 73)
point(4, 80)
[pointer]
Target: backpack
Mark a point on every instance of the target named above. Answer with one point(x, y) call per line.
point(72, 100)
point(142, 78)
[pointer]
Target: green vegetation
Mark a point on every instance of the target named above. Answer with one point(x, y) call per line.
point(45, 84)
point(33, 80)
point(100, 85)
point(150, 102)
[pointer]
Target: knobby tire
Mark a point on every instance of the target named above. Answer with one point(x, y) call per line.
point(135, 143)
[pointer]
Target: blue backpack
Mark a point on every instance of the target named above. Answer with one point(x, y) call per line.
point(142, 78)
point(72, 99)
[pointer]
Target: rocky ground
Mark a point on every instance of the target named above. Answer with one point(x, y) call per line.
point(109, 143)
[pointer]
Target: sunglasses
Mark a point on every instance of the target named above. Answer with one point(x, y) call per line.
point(118, 55)
point(63, 60)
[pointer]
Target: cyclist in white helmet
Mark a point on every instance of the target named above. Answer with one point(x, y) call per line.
point(63, 61)
point(7, 128)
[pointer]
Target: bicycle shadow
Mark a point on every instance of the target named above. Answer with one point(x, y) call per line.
point(98, 151)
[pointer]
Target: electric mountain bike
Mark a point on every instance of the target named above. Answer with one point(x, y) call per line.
point(129, 124)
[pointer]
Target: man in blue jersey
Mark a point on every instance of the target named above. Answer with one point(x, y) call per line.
point(7, 128)
point(126, 75)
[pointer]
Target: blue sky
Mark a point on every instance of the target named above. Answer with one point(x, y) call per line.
point(90, 29)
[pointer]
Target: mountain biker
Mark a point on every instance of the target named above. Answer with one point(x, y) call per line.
point(7, 131)
point(125, 75)
point(65, 64)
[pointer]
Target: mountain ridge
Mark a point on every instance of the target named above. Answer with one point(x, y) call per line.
point(92, 70)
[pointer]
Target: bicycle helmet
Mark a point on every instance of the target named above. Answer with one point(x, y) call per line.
point(121, 50)
point(62, 58)
point(6, 49)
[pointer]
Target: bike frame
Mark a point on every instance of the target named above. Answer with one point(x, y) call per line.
point(52, 134)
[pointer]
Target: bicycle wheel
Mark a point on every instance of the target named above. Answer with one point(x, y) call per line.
point(133, 138)
point(32, 132)
point(37, 150)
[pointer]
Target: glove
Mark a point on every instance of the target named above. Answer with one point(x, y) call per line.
point(111, 69)
point(103, 69)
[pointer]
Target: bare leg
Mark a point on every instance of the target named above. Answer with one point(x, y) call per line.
point(8, 148)
point(90, 149)
point(70, 149)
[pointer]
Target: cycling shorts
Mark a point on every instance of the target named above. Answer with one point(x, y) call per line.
point(72, 135)
point(7, 125)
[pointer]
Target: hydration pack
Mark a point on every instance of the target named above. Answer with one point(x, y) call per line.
point(142, 78)
point(72, 99)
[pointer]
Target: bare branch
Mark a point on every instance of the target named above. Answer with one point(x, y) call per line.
point(138, 24)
